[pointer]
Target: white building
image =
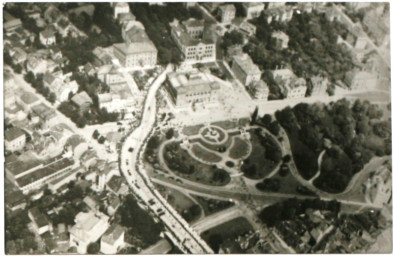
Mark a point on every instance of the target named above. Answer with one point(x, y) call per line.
point(290, 85)
point(41, 223)
point(245, 70)
point(360, 80)
point(121, 7)
point(112, 240)
point(135, 55)
point(88, 228)
point(318, 85)
point(253, 10)
point(226, 13)
point(378, 187)
point(281, 39)
point(47, 37)
point(259, 90)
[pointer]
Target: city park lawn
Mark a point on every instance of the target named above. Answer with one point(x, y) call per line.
point(211, 206)
point(260, 163)
point(228, 230)
point(204, 154)
point(239, 149)
point(192, 130)
point(179, 161)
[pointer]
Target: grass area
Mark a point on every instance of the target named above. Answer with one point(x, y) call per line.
point(205, 155)
point(184, 165)
point(226, 144)
point(192, 130)
point(373, 96)
point(227, 124)
point(239, 149)
point(226, 231)
point(260, 162)
point(211, 206)
point(288, 184)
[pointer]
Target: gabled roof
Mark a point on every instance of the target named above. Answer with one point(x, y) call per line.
point(112, 234)
point(81, 98)
point(13, 133)
point(48, 32)
point(40, 219)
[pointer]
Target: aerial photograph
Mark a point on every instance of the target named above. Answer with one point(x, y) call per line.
point(197, 128)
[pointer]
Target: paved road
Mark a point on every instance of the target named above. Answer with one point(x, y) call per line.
point(184, 237)
point(161, 247)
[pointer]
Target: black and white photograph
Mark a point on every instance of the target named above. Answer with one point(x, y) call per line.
point(197, 128)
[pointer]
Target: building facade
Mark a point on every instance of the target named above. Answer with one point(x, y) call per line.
point(226, 13)
point(135, 55)
point(245, 70)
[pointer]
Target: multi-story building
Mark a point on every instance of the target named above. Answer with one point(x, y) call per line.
point(245, 70)
point(47, 116)
point(14, 139)
point(318, 85)
point(82, 101)
point(186, 89)
point(281, 39)
point(253, 10)
point(360, 80)
point(194, 27)
point(47, 36)
point(121, 7)
point(194, 50)
point(112, 240)
point(290, 85)
point(259, 90)
point(88, 228)
point(273, 5)
point(378, 187)
point(41, 223)
point(226, 13)
point(284, 14)
point(135, 55)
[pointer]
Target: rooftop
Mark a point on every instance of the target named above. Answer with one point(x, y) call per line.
point(23, 163)
point(134, 48)
point(43, 111)
point(112, 234)
point(192, 82)
point(40, 219)
point(227, 8)
point(13, 133)
point(48, 32)
point(193, 23)
point(28, 98)
point(81, 98)
point(115, 183)
point(246, 64)
point(47, 170)
point(185, 38)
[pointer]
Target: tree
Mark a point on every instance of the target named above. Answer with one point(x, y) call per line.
point(17, 68)
point(101, 139)
point(52, 97)
point(286, 158)
point(254, 116)
point(153, 142)
point(93, 248)
point(170, 134)
point(274, 128)
point(96, 134)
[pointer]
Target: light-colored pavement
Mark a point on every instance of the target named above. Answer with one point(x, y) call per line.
point(161, 247)
point(181, 234)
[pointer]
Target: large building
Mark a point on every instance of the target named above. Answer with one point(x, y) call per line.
point(259, 90)
point(194, 27)
point(318, 86)
point(134, 55)
point(226, 13)
point(290, 85)
point(40, 222)
point(253, 10)
point(245, 70)
point(88, 228)
point(121, 7)
point(193, 49)
point(112, 240)
point(187, 89)
point(360, 80)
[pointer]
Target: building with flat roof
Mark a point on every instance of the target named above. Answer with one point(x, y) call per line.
point(41, 224)
point(121, 7)
point(14, 139)
point(134, 55)
point(193, 49)
point(245, 70)
point(186, 89)
point(88, 228)
point(226, 13)
point(112, 240)
point(82, 101)
point(15, 200)
point(290, 85)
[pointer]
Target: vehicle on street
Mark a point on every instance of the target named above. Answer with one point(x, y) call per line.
point(131, 149)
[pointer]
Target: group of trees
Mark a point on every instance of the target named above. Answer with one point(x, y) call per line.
point(175, 161)
point(38, 84)
point(18, 238)
point(353, 130)
point(139, 222)
point(8, 61)
point(156, 19)
point(271, 125)
point(270, 185)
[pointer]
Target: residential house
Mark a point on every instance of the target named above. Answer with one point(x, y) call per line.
point(52, 14)
point(19, 55)
point(281, 40)
point(245, 70)
point(14, 139)
point(38, 65)
point(194, 50)
point(101, 57)
point(121, 7)
point(186, 89)
point(113, 203)
point(226, 13)
point(194, 27)
point(243, 26)
point(27, 100)
point(46, 115)
point(318, 86)
point(112, 240)
point(279, 14)
point(360, 80)
point(291, 86)
point(136, 54)
point(101, 172)
point(88, 228)
point(47, 36)
point(253, 9)
point(259, 90)
point(124, 18)
point(89, 69)
point(118, 185)
point(41, 223)
point(11, 23)
point(15, 200)
point(82, 101)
